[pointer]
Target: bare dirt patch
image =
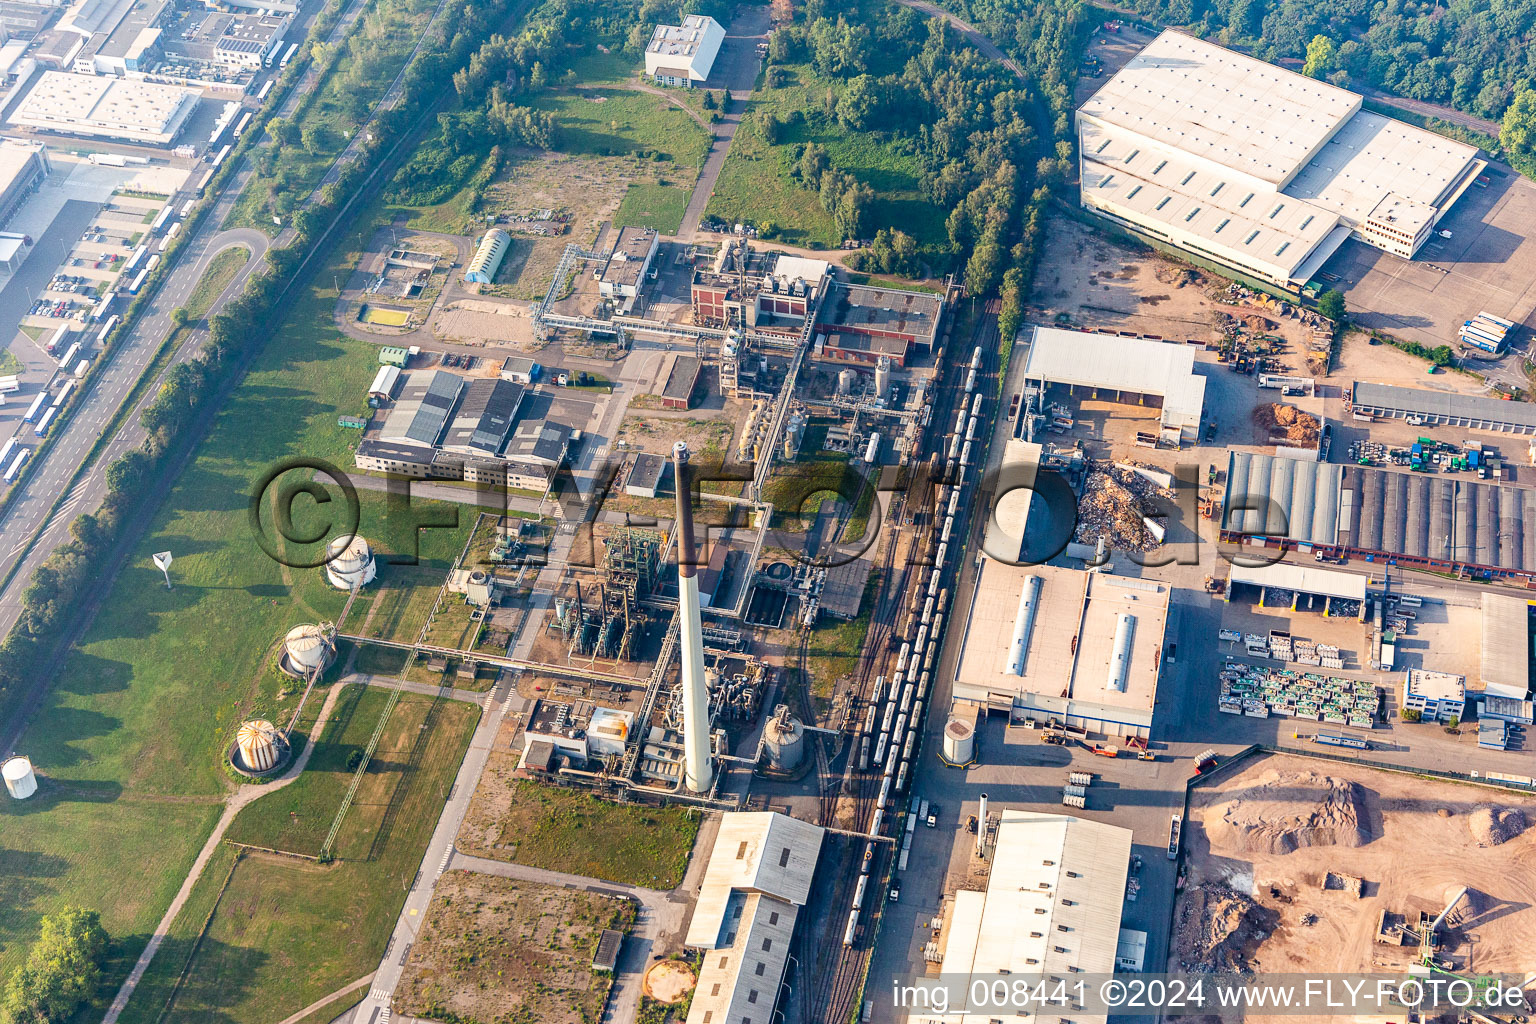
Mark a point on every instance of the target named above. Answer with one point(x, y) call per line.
point(1272, 834)
point(500, 949)
point(1284, 811)
point(589, 188)
point(668, 981)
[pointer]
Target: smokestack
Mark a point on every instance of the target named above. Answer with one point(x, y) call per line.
point(698, 771)
point(981, 827)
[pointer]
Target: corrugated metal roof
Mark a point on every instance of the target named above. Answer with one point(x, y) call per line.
point(1435, 517)
point(1110, 362)
point(1506, 647)
point(1444, 406)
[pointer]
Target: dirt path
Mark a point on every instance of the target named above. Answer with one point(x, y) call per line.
point(312, 1007)
point(237, 801)
point(737, 71)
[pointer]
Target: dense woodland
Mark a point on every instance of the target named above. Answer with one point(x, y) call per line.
point(990, 145)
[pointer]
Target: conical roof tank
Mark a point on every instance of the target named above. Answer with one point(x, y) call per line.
point(308, 646)
point(784, 740)
point(349, 563)
point(258, 741)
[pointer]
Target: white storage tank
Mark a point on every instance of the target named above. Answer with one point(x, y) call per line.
point(20, 780)
point(784, 740)
point(308, 647)
point(959, 741)
point(260, 745)
point(350, 563)
point(847, 380)
point(883, 377)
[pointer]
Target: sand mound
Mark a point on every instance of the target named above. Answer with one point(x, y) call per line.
point(1263, 818)
point(1287, 421)
point(1494, 825)
point(1218, 929)
point(668, 981)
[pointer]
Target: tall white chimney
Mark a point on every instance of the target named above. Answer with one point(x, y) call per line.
point(981, 827)
point(698, 769)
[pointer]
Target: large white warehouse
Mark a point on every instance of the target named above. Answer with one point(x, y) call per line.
point(1258, 168)
point(1084, 648)
point(684, 54)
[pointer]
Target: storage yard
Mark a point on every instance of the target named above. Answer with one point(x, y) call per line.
point(1295, 864)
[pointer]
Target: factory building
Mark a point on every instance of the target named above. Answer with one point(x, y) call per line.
point(1127, 370)
point(682, 55)
point(22, 169)
point(520, 370)
point(1051, 908)
point(644, 476)
point(1506, 648)
point(127, 109)
point(759, 876)
point(861, 323)
point(679, 378)
point(245, 40)
point(446, 428)
point(1442, 408)
point(486, 261)
point(1256, 168)
point(484, 418)
point(769, 292)
point(1042, 643)
point(427, 398)
point(1307, 587)
point(626, 268)
point(122, 37)
point(1438, 522)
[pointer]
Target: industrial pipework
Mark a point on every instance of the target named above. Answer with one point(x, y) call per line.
point(698, 770)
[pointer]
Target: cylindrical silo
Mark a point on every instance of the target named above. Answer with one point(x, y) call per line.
point(959, 741)
point(883, 377)
point(20, 780)
point(350, 563)
point(308, 647)
point(784, 740)
point(260, 745)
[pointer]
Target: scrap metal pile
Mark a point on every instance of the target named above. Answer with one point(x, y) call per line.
point(1115, 504)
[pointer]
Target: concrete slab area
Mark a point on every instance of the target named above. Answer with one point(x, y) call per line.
point(1488, 263)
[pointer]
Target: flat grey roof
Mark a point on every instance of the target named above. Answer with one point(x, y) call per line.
point(880, 308)
point(1506, 649)
point(1443, 406)
point(646, 471)
point(684, 376)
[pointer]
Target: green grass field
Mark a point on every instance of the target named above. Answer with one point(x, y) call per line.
point(617, 121)
point(649, 205)
point(567, 830)
point(755, 185)
point(287, 932)
point(130, 740)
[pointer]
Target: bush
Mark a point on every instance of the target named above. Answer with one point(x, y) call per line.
point(1411, 715)
point(62, 971)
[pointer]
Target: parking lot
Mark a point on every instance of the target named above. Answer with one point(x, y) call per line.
point(1488, 263)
